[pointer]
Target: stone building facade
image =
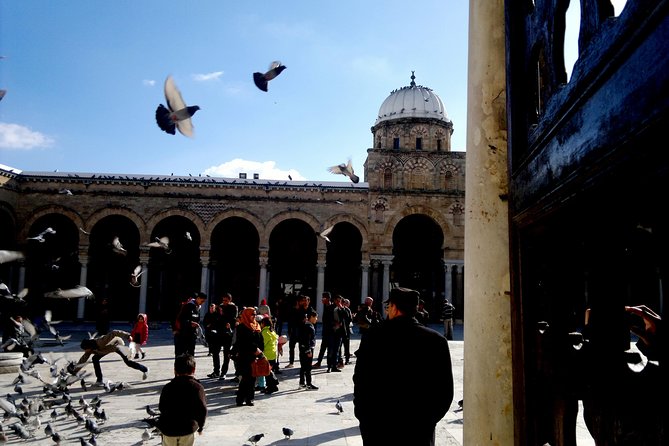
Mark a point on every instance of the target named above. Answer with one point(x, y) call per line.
point(254, 238)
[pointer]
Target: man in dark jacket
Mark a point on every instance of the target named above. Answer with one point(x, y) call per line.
point(187, 325)
point(183, 404)
point(389, 410)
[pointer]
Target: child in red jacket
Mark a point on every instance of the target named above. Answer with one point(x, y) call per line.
point(140, 334)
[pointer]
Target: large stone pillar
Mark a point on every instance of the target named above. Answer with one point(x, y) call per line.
point(320, 282)
point(143, 281)
point(83, 273)
point(262, 282)
point(386, 261)
point(448, 281)
point(488, 389)
point(364, 285)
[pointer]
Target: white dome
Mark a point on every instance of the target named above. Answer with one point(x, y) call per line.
point(412, 101)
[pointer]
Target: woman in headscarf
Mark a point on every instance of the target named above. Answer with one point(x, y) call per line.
point(248, 345)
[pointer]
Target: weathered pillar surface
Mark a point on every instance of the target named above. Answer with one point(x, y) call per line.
point(83, 273)
point(364, 285)
point(448, 282)
point(320, 284)
point(487, 313)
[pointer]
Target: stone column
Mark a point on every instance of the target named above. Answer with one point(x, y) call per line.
point(448, 281)
point(22, 276)
point(488, 384)
point(386, 261)
point(262, 283)
point(364, 285)
point(143, 281)
point(204, 278)
point(320, 282)
point(83, 273)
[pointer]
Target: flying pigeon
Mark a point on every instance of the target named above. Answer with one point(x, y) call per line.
point(261, 79)
point(255, 438)
point(176, 114)
point(134, 276)
point(118, 247)
point(325, 233)
point(339, 407)
point(189, 237)
point(84, 231)
point(40, 237)
point(72, 293)
point(345, 169)
point(10, 256)
point(2, 94)
point(162, 242)
point(288, 432)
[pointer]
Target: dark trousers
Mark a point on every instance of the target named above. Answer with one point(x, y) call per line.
point(305, 366)
point(130, 363)
point(247, 385)
point(326, 340)
point(184, 344)
point(333, 349)
point(227, 348)
point(215, 350)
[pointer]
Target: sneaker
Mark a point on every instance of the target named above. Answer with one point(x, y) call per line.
point(311, 387)
point(136, 356)
point(222, 378)
point(214, 375)
point(143, 355)
point(99, 384)
point(289, 366)
point(145, 375)
point(316, 365)
point(302, 385)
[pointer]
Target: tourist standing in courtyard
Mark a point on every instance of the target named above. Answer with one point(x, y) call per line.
point(389, 411)
point(183, 405)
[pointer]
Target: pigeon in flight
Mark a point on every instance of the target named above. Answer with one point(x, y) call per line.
point(10, 256)
point(262, 79)
point(118, 247)
point(189, 237)
point(84, 231)
point(176, 115)
point(345, 169)
point(2, 94)
point(40, 237)
point(326, 232)
point(72, 293)
point(255, 438)
point(288, 432)
point(339, 407)
point(134, 276)
point(161, 242)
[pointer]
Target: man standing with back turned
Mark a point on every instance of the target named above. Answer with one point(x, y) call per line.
point(389, 410)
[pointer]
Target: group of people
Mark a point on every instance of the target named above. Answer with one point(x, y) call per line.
point(247, 335)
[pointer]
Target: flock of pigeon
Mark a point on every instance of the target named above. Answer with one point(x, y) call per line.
point(176, 115)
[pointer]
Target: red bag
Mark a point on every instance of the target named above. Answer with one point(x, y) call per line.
point(260, 367)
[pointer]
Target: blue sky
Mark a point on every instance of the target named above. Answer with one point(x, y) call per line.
point(84, 78)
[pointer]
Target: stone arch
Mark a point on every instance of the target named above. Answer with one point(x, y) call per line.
point(348, 218)
point(46, 210)
point(235, 212)
point(287, 215)
point(109, 211)
point(156, 218)
point(435, 215)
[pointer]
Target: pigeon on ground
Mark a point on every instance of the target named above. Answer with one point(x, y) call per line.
point(176, 115)
point(345, 169)
point(339, 407)
point(255, 438)
point(151, 412)
point(146, 435)
point(325, 232)
point(288, 432)
point(261, 79)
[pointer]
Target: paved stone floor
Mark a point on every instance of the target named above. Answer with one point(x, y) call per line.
point(311, 414)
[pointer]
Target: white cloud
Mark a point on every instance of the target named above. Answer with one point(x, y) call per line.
point(149, 82)
point(267, 170)
point(15, 136)
point(208, 76)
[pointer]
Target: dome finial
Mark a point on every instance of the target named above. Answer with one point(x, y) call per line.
point(413, 84)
